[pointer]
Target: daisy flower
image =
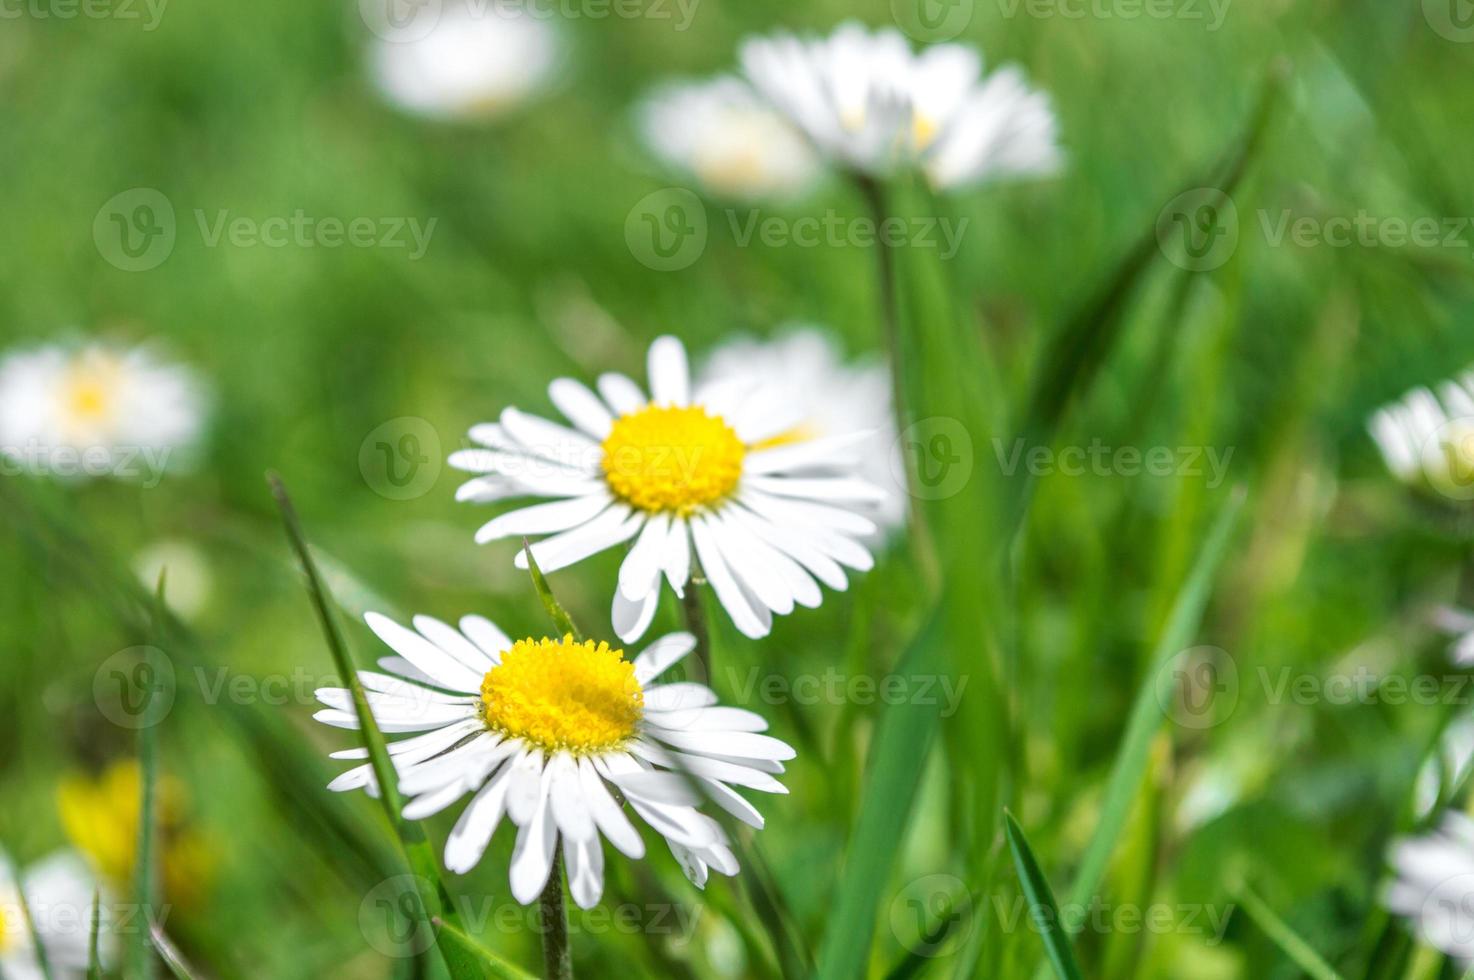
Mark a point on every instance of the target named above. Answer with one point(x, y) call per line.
point(804, 365)
point(1430, 437)
point(95, 410)
point(477, 61)
point(551, 733)
point(704, 476)
point(1433, 885)
point(1458, 623)
point(59, 892)
point(873, 106)
point(724, 135)
point(1447, 769)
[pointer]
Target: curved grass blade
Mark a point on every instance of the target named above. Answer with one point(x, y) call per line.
point(170, 954)
point(1041, 900)
point(493, 965)
point(550, 602)
point(1289, 941)
point(432, 895)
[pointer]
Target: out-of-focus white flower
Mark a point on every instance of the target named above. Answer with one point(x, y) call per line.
point(1447, 769)
point(59, 892)
point(804, 367)
point(476, 61)
point(1428, 437)
point(1433, 885)
point(97, 410)
point(1458, 623)
point(872, 105)
point(725, 136)
point(187, 575)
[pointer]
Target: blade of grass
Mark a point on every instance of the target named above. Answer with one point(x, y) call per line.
point(42, 960)
point(1289, 942)
point(765, 898)
point(902, 741)
point(1041, 901)
point(494, 965)
point(94, 955)
point(170, 954)
point(1146, 713)
point(550, 602)
point(141, 951)
point(411, 836)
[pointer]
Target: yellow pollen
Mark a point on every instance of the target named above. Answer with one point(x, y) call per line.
point(88, 389)
point(923, 131)
point(802, 432)
point(561, 695)
point(5, 938)
point(672, 459)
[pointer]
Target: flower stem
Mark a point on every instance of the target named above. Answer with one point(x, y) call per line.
point(695, 616)
point(557, 957)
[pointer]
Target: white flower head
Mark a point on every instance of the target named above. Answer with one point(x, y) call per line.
point(98, 409)
point(873, 106)
point(541, 731)
point(1447, 769)
point(1429, 438)
point(726, 137)
point(704, 474)
point(59, 892)
point(1433, 885)
point(804, 365)
point(476, 61)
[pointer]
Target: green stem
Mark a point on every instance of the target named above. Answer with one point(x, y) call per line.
point(557, 957)
point(695, 615)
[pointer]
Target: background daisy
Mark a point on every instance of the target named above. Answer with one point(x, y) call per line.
point(1428, 437)
point(872, 106)
point(1433, 885)
point(703, 476)
point(550, 733)
point(59, 891)
point(730, 140)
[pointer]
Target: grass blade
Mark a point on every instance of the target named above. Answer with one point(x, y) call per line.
point(1289, 941)
point(416, 846)
point(1146, 714)
point(42, 960)
point(1041, 900)
point(94, 955)
point(141, 950)
point(492, 964)
point(170, 954)
point(550, 602)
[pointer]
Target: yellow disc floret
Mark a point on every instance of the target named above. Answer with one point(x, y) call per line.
point(672, 459)
point(562, 695)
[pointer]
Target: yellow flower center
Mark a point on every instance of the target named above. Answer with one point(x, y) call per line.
point(923, 131)
point(672, 459)
point(5, 938)
point(561, 695)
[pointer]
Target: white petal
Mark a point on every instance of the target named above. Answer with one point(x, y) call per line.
point(453, 642)
point(670, 377)
point(632, 617)
point(532, 859)
point(717, 719)
point(652, 786)
point(745, 745)
point(610, 819)
point(549, 518)
point(585, 862)
point(436, 663)
point(581, 407)
point(570, 810)
point(845, 489)
point(731, 801)
point(639, 573)
point(622, 394)
point(486, 635)
point(552, 441)
point(753, 621)
point(477, 824)
point(841, 450)
point(679, 696)
point(676, 562)
point(659, 656)
point(613, 526)
point(528, 786)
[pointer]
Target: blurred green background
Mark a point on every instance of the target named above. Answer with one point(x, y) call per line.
point(1279, 354)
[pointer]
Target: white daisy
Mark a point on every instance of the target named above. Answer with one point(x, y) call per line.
point(476, 61)
point(728, 138)
point(1433, 885)
point(1428, 436)
point(59, 893)
point(873, 106)
point(97, 410)
point(552, 734)
point(1447, 770)
point(805, 366)
point(702, 475)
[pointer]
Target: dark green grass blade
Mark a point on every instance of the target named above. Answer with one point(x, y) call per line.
point(140, 949)
point(491, 964)
point(416, 846)
point(94, 955)
point(1290, 943)
point(170, 954)
point(1041, 901)
point(550, 602)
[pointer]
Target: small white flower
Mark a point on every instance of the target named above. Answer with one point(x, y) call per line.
point(96, 409)
point(873, 106)
point(682, 473)
point(804, 366)
point(725, 136)
point(1430, 436)
point(1433, 885)
point(59, 892)
point(1458, 623)
point(550, 734)
point(1447, 769)
point(477, 61)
